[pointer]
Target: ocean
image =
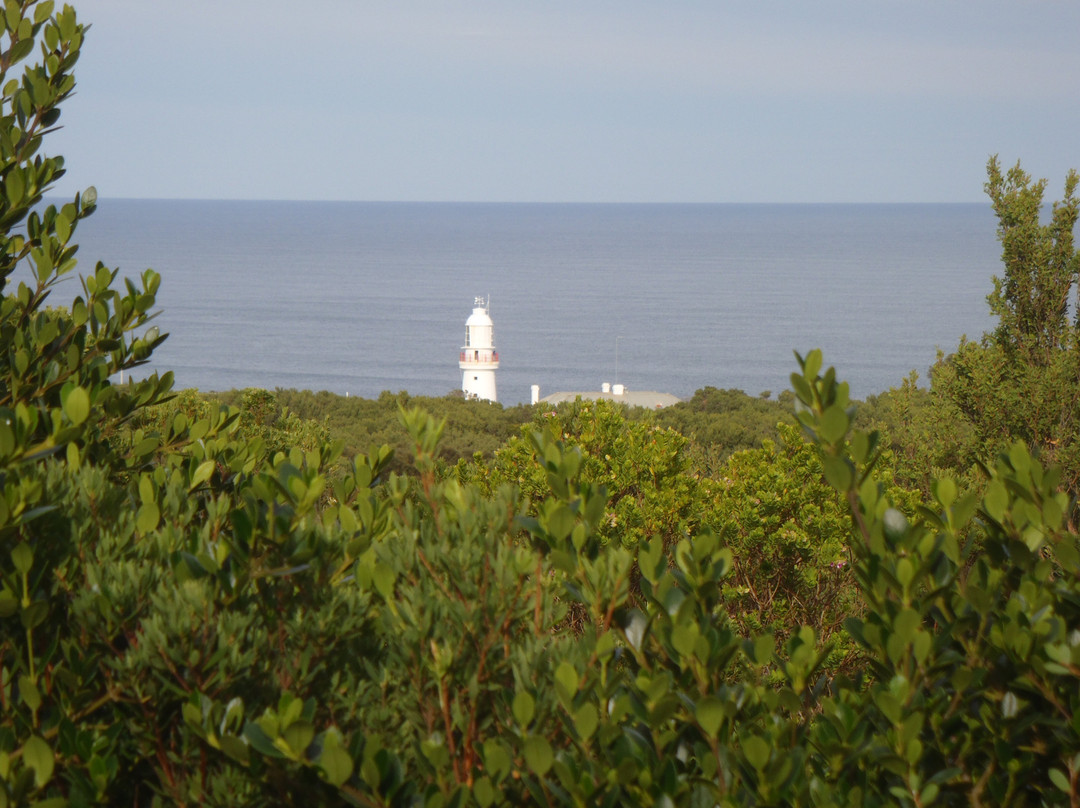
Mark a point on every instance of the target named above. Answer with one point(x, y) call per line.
point(364, 297)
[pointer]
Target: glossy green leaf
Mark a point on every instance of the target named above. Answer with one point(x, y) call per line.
point(202, 473)
point(260, 740)
point(335, 763)
point(38, 755)
point(77, 405)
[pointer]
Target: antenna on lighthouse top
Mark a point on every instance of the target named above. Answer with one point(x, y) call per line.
point(479, 301)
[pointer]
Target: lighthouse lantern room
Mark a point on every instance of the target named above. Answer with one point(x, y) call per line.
point(479, 359)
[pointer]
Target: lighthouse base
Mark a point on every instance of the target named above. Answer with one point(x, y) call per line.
point(478, 384)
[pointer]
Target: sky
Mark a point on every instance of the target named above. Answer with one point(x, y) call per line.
point(570, 101)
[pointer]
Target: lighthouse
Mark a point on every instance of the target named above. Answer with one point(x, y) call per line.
point(479, 360)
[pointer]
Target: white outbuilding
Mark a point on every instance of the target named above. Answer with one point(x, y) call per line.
point(479, 360)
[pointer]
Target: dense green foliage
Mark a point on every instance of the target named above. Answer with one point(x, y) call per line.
point(1019, 382)
point(471, 426)
point(208, 603)
point(642, 467)
point(719, 422)
point(787, 530)
point(715, 422)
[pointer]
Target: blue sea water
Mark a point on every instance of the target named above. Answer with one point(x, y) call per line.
point(366, 297)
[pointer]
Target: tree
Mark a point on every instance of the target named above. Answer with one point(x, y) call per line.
point(1031, 301)
point(1022, 382)
point(642, 466)
point(719, 422)
point(788, 532)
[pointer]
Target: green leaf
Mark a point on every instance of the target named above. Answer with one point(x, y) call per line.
point(235, 748)
point(34, 615)
point(559, 522)
point(684, 638)
point(202, 474)
point(586, 720)
point(63, 228)
point(834, 424)
point(334, 761)
point(260, 741)
point(29, 692)
point(710, 714)
point(483, 792)
point(566, 677)
point(299, 736)
point(905, 572)
point(23, 558)
point(764, 648)
point(192, 715)
point(756, 751)
point(43, 11)
point(801, 388)
point(538, 755)
point(146, 446)
point(907, 622)
point(1020, 459)
point(384, 579)
point(14, 186)
point(524, 708)
point(38, 755)
point(838, 472)
point(9, 604)
point(147, 492)
point(77, 405)
point(1059, 779)
point(945, 491)
point(497, 761)
point(73, 459)
point(147, 517)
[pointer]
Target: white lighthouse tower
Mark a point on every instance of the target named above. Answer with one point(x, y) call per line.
point(479, 359)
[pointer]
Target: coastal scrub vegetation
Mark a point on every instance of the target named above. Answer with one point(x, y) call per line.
point(212, 602)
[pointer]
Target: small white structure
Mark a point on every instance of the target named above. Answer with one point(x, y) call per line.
point(613, 392)
point(479, 359)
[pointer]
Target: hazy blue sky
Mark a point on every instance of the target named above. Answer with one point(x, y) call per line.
point(506, 100)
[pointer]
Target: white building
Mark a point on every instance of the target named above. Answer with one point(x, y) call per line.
point(479, 359)
point(610, 392)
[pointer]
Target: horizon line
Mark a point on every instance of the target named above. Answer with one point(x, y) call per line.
point(504, 202)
